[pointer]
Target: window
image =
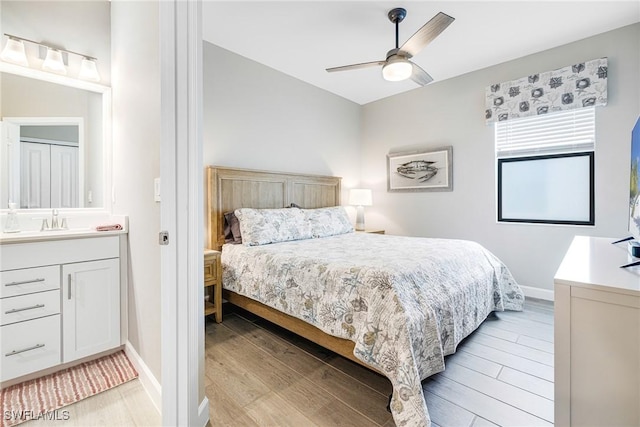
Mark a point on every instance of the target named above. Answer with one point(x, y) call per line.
point(545, 168)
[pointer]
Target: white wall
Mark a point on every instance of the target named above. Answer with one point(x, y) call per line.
point(258, 118)
point(136, 162)
point(451, 112)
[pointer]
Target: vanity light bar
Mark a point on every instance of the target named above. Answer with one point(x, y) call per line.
point(54, 61)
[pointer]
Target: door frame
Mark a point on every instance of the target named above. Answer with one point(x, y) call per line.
point(181, 172)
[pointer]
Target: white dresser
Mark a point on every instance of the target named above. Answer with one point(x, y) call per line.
point(597, 336)
point(60, 301)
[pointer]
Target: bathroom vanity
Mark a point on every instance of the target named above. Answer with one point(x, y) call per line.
point(62, 298)
point(62, 291)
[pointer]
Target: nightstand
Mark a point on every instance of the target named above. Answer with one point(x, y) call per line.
point(372, 231)
point(213, 284)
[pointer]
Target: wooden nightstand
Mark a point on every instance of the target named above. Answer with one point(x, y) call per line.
point(372, 231)
point(213, 284)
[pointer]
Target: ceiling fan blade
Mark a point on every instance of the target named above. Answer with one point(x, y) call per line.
point(427, 33)
point(420, 76)
point(356, 66)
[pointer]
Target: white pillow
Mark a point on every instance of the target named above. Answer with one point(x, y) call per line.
point(326, 222)
point(263, 226)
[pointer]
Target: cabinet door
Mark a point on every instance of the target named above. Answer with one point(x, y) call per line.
point(90, 308)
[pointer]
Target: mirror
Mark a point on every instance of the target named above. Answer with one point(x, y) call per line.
point(54, 146)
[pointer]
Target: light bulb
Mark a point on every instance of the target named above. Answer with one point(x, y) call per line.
point(396, 70)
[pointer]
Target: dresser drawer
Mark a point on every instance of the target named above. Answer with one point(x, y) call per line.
point(29, 346)
point(29, 280)
point(30, 306)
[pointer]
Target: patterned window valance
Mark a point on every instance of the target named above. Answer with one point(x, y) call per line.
point(576, 86)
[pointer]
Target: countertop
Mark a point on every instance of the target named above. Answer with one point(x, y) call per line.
point(594, 262)
point(40, 236)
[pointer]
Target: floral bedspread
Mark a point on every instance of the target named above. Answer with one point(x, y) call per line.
point(406, 302)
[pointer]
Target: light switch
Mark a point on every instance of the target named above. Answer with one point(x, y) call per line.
point(156, 189)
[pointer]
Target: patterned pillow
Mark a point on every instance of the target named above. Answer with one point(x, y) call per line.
point(263, 226)
point(326, 222)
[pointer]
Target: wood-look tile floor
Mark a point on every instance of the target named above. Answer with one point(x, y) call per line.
point(258, 374)
point(125, 405)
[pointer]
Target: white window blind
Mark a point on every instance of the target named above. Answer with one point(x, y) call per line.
point(560, 132)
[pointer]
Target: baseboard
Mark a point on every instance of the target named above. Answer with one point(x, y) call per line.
point(203, 412)
point(147, 379)
point(530, 291)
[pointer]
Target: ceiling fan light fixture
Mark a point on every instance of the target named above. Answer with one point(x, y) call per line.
point(396, 70)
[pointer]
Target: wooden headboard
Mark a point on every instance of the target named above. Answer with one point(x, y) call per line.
point(229, 189)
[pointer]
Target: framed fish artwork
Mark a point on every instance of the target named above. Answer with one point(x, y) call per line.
point(428, 170)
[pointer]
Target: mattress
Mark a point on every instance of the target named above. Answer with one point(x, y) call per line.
point(405, 302)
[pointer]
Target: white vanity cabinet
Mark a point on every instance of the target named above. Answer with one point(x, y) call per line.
point(29, 320)
point(91, 307)
point(60, 301)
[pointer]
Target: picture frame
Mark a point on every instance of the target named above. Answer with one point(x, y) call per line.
point(423, 170)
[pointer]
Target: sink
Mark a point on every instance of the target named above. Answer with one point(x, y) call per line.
point(81, 225)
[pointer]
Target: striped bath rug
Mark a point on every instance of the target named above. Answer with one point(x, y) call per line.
point(38, 398)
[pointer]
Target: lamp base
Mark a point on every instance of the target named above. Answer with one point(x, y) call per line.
point(360, 218)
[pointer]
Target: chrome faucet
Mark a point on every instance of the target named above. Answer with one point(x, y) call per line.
point(55, 224)
point(54, 220)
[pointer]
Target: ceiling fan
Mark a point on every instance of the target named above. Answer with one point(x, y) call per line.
point(397, 66)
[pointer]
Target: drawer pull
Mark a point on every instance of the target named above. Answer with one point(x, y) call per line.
point(24, 282)
point(14, 352)
point(17, 310)
point(69, 286)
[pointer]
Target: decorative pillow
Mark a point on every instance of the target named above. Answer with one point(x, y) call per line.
point(326, 222)
point(232, 228)
point(263, 226)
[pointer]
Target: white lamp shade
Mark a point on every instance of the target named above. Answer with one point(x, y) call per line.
point(54, 62)
point(14, 52)
point(89, 70)
point(360, 197)
point(397, 70)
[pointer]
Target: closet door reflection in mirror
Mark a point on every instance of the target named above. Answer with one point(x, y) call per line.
point(52, 145)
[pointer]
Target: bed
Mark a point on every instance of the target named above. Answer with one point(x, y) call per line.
point(394, 304)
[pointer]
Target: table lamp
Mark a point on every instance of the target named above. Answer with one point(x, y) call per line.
point(360, 197)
